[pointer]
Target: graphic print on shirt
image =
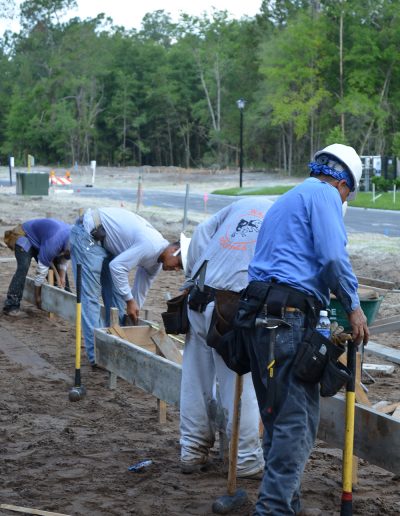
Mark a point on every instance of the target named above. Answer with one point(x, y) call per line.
point(244, 232)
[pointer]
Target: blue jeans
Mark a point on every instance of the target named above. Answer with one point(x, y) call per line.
point(290, 431)
point(96, 283)
point(16, 288)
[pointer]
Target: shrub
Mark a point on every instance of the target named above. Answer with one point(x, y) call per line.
point(381, 184)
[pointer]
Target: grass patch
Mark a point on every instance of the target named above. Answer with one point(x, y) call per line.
point(266, 190)
point(383, 202)
point(363, 200)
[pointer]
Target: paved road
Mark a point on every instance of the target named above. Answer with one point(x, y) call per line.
point(358, 220)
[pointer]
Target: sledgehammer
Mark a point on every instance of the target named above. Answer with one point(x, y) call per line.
point(346, 508)
point(235, 497)
point(78, 390)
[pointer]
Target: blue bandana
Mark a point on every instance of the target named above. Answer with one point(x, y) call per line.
point(319, 168)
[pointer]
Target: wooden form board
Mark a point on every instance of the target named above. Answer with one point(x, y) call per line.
point(63, 304)
point(54, 300)
point(387, 324)
point(377, 435)
point(390, 354)
point(139, 366)
point(29, 510)
point(372, 282)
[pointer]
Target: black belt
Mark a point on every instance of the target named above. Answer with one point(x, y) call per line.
point(279, 297)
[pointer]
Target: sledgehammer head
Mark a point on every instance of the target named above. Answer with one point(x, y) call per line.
point(76, 393)
point(227, 503)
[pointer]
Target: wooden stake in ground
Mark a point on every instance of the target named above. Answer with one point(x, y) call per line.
point(165, 347)
point(235, 497)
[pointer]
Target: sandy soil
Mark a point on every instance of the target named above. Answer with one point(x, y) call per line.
point(73, 458)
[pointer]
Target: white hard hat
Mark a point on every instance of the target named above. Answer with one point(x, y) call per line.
point(185, 242)
point(350, 159)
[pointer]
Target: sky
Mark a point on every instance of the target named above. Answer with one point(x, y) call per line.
point(130, 13)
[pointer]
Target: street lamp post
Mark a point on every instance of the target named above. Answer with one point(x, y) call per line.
point(240, 104)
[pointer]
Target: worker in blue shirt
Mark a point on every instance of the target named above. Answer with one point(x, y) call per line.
point(45, 240)
point(299, 259)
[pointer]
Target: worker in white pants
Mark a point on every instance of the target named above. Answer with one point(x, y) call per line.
point(202, 367)
point(225, 242)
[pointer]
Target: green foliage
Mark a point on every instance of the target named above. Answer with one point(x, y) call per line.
point(335, 135)
point(166, 94)
point(396, 144)
point(381, 184)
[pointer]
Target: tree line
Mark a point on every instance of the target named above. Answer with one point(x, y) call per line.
point(311, 72)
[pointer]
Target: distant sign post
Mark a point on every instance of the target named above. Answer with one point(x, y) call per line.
point(31, 162)
point(205, 198)
point(93, 167)
point(10, 167)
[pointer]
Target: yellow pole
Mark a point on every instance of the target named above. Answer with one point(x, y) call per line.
point(346, 508)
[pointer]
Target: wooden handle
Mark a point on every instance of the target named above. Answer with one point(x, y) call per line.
point(234, 444)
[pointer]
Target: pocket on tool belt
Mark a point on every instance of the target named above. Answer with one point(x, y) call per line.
point(231, 347)
point(175, 319)
point(335, 376)
point(199, 300)
point(311, 357)
point(248, 309)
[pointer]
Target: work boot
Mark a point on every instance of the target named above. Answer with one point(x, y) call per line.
point(252, 474)
point(194, 465)
point(11, 310)
point(97, 367)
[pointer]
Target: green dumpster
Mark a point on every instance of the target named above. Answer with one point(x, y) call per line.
point(32, 183)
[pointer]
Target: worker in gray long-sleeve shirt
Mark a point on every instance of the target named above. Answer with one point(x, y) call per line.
point(227, 241)
point(109, 243)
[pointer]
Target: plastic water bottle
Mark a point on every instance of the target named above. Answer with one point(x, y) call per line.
point(324, 324)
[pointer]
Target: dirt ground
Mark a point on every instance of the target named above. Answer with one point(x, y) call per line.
point(73, 458)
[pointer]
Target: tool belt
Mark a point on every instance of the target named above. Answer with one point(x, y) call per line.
point(198, 300)
point(262, 298)
point(11, 236)
point(222, 336)
point(98, 233)
point(175, 319)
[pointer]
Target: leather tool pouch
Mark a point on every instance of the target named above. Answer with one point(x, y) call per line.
point(199, 300)
point(175, 319)
point(11, 236)
point(98, 233)
point(221, 335)
point(316, 361)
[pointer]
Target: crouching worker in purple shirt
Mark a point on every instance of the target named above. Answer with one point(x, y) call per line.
point(45, 240)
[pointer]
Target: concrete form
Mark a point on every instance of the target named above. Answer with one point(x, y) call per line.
point(377, 436)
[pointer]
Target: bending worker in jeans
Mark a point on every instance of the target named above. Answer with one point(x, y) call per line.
point(109, 243)
point(300, 258)
point(45, 240)
point(227, 240)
